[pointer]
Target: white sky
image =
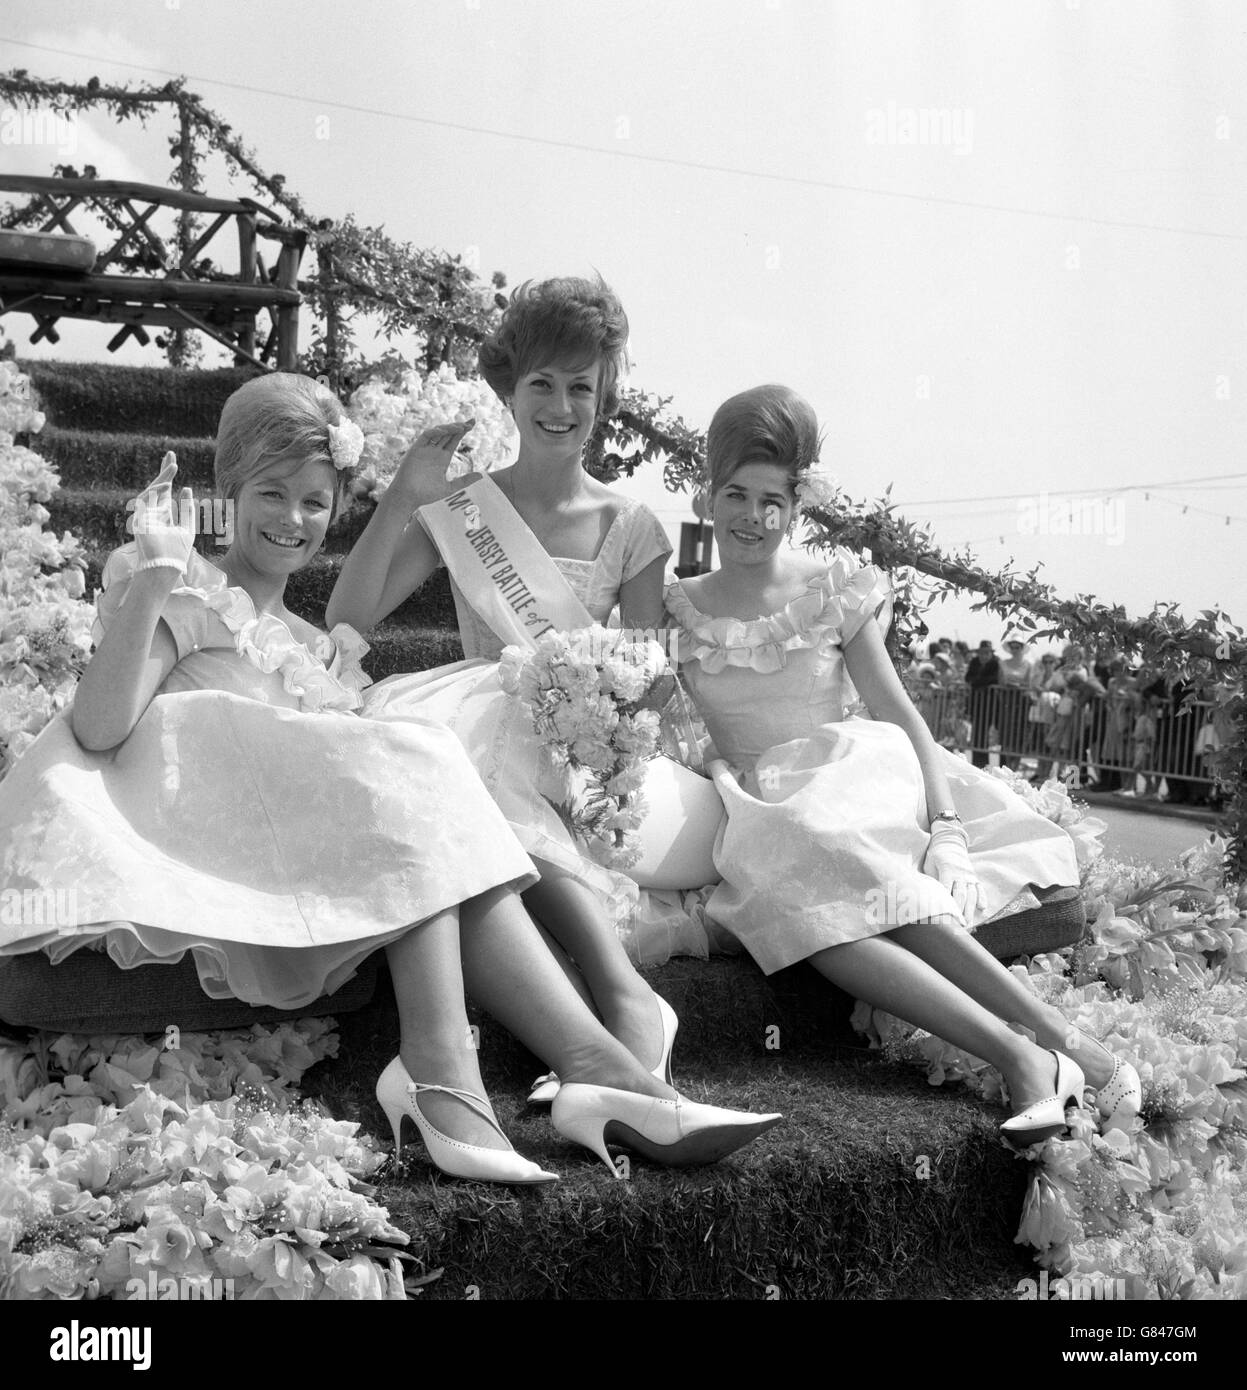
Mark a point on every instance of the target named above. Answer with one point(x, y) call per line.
point(1048, 295)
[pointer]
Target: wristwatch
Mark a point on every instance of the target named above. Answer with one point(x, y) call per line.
point(946, 815)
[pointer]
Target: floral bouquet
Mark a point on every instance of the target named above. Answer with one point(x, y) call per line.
point(592, 695)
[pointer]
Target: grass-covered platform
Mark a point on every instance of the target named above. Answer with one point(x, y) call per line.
point(876, 1186)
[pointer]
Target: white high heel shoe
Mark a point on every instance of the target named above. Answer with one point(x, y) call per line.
point(398, 1095)
point(1047, 1117)
point(679, 1132)
point(1120, 1099)
point(546, 1087)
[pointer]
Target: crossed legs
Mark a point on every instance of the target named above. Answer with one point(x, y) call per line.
point(943, 980)
point(572, 913)
point(491, 946)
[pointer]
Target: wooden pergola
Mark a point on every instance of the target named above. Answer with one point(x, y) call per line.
point(160, 286)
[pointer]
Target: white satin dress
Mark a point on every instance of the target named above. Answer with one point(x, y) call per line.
point(826, 815)
point(251, 817)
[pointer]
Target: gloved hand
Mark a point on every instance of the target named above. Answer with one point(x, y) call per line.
point(163, 536)
point(948, 859)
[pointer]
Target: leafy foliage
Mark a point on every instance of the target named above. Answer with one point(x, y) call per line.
point(359, 269)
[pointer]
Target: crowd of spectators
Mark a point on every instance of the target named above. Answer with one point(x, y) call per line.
point(1096, 722)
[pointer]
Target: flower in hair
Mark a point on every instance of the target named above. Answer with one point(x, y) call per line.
point(346, 444)
point(816, 487)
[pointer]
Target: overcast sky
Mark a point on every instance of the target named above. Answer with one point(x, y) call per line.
point(999, 247)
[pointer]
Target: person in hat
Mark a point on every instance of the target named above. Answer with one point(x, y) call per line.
point(1015, 676)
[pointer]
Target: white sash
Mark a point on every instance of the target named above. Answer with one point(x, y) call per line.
point(511, 582)
point(500, 567)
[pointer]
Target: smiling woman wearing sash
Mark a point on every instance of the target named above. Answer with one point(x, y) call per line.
point(535, 546)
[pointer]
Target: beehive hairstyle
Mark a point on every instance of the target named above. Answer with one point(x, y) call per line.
point(766, 424)
point(280, 415)
point(564, 322)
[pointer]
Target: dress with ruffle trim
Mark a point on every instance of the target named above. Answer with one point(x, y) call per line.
point(250, 817)
point(827, 822)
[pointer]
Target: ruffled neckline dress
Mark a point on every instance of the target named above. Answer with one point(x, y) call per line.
point(251, 817)
point(827, 823)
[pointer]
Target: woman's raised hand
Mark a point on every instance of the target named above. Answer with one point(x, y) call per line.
point(164, 537)
point(421, 477)
point(948, 859)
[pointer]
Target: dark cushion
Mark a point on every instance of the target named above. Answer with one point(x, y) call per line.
point(54, 249)
point(1058, 921)
point(88, 993)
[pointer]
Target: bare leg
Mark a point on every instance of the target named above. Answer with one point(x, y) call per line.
point(573, 915)
point(509, 971)
point(959, 958)
point(566, 965)
point(435, 1044)
point(883, 973)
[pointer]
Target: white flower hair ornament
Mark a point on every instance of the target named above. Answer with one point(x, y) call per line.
point(346, 443)
point(816, 486)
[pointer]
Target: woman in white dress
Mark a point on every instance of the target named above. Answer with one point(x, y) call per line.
point(212, 790)
point(859, 845)
point(536, 545)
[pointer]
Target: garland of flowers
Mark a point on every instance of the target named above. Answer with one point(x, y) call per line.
point(1162, 976)
point(133, 1170)
point(45, 626)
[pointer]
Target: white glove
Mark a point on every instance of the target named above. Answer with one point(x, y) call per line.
point(948, 859)
point(162, 536)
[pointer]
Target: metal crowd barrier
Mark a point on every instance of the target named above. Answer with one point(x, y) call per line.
point(1095, 745)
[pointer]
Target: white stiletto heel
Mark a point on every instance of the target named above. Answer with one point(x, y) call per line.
point(679, 1132)
point(1047, 1117)
point(398, 1095)
point(670, 1023)
point(1120, 1099)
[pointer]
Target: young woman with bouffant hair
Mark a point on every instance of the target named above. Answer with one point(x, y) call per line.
point(568, 321)
point(578, 546)
point(274, 417)
point(858, 845)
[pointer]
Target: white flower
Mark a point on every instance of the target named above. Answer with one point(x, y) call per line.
point(243, 1190)
point(346, 444)
point(581, 689)
point(45, 628)
point(392, 418)
point(816, 487)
